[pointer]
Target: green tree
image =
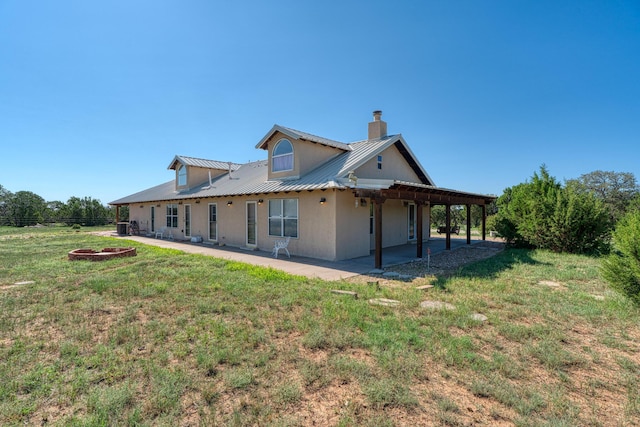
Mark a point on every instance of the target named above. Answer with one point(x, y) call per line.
point(26, 208)
point(439, 215)
point(53, 212)
point(615, 189)
point(622, 267)
point(544, 214)
point(5, 199)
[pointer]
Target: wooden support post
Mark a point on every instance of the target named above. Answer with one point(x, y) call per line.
point(117, 213)
point(468, 224)
point(484, 222)
point(378, 231)
point(448, 225)
point(419, 229)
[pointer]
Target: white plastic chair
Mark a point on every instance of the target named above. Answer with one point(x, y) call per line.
point(281, 244)
point(164, 232)
point(160, 233)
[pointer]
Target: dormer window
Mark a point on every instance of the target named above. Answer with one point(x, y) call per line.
point(282, 156)
point(182, 175)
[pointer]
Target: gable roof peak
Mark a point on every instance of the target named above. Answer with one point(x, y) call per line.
point(202, 163)
point(296, 134)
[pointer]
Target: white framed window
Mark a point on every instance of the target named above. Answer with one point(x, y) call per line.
point(182, 175)
point(172, 215)
point(213, 221)
point(283, 217)
point(282, 156)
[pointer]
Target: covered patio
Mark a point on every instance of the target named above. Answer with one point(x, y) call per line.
point(422, 195)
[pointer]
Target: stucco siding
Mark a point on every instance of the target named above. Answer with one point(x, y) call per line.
point(394, 166)
point(352, 227)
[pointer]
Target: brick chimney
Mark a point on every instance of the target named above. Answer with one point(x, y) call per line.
point(377, 128)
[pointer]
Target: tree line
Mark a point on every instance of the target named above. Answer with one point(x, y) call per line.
point(25, 208)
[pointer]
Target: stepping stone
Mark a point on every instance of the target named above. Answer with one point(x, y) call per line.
point(341, 292)
point(384, 301)
point(391, 274)
point(598, 297)
point(479, 317)
point(437, 305)
point(26, 282)
point(405, 277)
point(376, 271)
point(549, 283)
point(424, 287)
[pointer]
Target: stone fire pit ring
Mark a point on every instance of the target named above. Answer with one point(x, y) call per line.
point(103, 255)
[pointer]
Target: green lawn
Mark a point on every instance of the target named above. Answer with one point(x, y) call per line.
point(167, 338)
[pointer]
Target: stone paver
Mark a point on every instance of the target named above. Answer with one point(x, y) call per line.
point(384, 302)
point(549, 283)
point(479, 317)
point(437, 305)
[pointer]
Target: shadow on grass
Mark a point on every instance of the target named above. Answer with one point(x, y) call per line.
point(491, 267)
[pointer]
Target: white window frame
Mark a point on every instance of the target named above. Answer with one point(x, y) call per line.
point(282, 218)
point(215, 237)
point(281, 157)
point(172, 218)
point(182, 175)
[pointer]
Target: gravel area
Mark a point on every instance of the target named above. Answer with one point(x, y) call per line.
point(444, 263)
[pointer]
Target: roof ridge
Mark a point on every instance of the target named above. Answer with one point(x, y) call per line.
point(320, 139)
point(208, 160)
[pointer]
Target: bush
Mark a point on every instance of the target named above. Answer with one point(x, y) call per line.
point(622, 267)
point(546, 215)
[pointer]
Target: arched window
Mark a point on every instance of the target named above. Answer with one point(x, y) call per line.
point(182, 175)
point(282, 156)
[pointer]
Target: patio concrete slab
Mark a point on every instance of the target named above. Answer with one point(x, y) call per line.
point(303, 266)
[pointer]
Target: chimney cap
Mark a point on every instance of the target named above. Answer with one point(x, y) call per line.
point(377, 114)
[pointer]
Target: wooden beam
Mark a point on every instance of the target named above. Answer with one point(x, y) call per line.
point(378, 231)
point(447, 209)
point(484, 222)
point(419, 230)
point(468, 224)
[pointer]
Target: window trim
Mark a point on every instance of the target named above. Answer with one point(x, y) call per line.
point(282, 218)
point(209, 221)
point(182, 176)
point(171, 217)
point(282, 156)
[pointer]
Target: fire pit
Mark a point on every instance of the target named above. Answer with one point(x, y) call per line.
point(105, 254)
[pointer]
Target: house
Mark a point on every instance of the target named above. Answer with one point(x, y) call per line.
point(334, 200)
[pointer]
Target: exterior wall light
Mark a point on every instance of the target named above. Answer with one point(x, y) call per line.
point(323, 200)
point(229, 203)
point(260, 201)
point(198, 201)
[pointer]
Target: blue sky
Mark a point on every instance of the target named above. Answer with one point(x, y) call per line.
point(96, 98)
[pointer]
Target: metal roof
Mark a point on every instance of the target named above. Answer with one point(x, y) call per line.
point(202, 163)
point(252, 178)
point(296, 134)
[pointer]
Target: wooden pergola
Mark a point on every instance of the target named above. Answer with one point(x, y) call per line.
point(422, 195)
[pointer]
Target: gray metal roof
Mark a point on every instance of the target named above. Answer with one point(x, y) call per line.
point(296, 134)
point(252, 178)
point(202, 163)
